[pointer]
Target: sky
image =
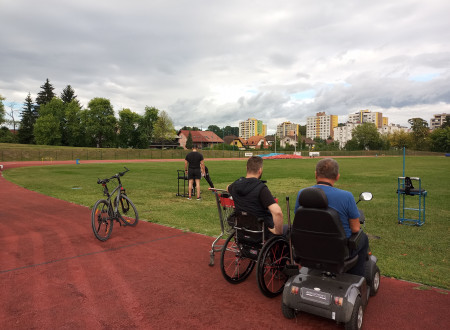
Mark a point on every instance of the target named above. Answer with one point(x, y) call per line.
point(214, 62)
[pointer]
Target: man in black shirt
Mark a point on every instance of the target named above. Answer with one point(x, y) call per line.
point(251, 195)
point(194, 167)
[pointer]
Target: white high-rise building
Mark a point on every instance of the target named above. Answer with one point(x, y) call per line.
point(252, 127)
point(366, 116)
point(288, 129)
point(321, 126)
point(438, 120)
point(343, 134)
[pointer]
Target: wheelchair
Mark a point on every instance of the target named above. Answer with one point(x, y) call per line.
point(247, 246)
point(322, 286)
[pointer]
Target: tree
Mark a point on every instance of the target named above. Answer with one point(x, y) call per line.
point(188, 128)
point(49, 127)
point(302, 130)
point(367, 136)
point(216, 130)
point(128, 124)
point(29, 115)
point(100, 123)
point(68, 95)
point(400, 139)
point(164, 129)
point(352, 145)
point(12, 115)
point(440, 139)
point(189, 143)
point(74, 130)
point(46, 94)
point(47, 130)
point(146, 127)
point(2, 110)
point(6, 136)
point(228, 130)
point(420, 133)
point(446, 123)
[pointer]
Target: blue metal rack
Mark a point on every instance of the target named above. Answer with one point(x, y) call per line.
point(402, 192)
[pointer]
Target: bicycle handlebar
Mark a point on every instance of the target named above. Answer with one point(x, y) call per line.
point(116, 176)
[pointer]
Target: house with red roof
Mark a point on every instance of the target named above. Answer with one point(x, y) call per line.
point(255, 142)
point(200, 139)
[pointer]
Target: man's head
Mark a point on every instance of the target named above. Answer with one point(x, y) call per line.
point(255, 166)
point(327, 168)
point(194, 148)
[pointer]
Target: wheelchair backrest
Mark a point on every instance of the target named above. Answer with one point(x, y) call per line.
point(318, 238)
point(249, 228)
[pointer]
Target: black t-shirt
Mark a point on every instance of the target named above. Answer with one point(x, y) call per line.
point(265, 197)
point(194, 158)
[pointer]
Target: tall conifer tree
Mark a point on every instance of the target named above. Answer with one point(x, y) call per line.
point(29, 116)
point(46, 94)
point(68, 95)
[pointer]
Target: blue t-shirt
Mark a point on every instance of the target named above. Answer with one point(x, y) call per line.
point(340, 200)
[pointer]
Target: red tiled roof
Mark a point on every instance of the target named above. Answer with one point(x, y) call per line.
point(254, 140)
point(202, 136)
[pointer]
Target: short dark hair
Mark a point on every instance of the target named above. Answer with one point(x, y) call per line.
point(327, 168)
point(254, 163)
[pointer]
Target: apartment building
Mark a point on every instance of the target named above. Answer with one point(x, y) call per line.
point(343, 134)
point(392, 128)
point(438, 120)
point(321, 126)
point(252, 127)
point(288, 129)
point(366, 116)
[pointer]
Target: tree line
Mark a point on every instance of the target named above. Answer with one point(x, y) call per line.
point(62, 121)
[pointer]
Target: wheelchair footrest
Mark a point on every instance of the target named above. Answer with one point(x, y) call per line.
point(291, 270)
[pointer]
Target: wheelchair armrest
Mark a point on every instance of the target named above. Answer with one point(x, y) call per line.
point(353, 240)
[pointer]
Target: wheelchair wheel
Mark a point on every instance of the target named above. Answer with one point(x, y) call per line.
point(234, 266)
point(272, 259)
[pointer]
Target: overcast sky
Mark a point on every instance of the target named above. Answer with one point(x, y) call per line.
point(219, 62)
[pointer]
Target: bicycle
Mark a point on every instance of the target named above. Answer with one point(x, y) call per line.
point(120, 209)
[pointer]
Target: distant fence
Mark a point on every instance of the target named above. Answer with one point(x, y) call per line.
point(55, 154)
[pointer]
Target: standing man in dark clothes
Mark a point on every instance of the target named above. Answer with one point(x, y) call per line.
point(251, 195)
point(194, 167)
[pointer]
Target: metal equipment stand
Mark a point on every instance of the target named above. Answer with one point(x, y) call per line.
point(182, 177)
point(404, 190)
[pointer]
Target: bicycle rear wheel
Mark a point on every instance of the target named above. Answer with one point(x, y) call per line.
point(102, 222)
point(127, 211)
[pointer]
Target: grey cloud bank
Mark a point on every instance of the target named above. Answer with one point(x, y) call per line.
point(219, 62)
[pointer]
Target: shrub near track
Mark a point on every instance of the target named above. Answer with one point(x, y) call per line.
point(418, 254)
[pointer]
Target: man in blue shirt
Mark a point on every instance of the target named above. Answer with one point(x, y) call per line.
point(327, 173)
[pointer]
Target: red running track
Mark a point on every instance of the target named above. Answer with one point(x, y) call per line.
point(54, 274)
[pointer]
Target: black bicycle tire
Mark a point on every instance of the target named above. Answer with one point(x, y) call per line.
point(135, 222)
point(110, 221)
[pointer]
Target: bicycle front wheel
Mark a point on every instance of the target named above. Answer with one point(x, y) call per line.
point(102, 222)
point(127, 211)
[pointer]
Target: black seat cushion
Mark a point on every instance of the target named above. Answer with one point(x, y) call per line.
point(318, 237)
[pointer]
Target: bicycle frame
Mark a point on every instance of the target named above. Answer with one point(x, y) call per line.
point(113, 209)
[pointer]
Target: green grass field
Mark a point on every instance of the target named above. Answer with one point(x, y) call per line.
point(418, 254)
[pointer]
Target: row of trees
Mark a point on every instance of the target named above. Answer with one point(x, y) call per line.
point(52, 120)
point(367, 137)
